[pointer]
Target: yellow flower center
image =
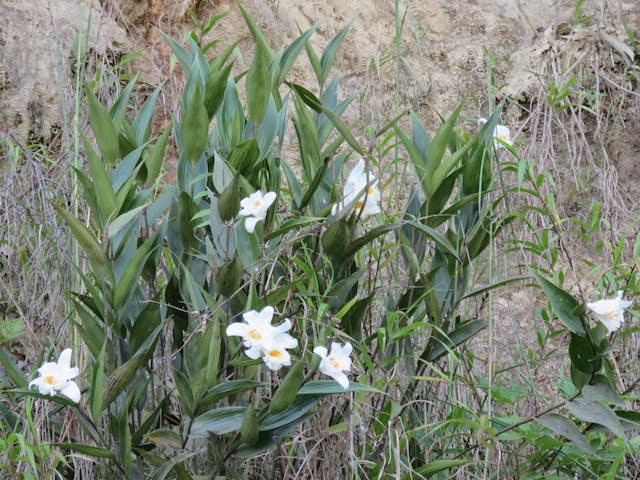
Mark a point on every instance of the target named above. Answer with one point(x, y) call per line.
point(49, 379)
point(334, 363)
point(254, 335)
point(275, 354)
point(359, 204)
point(371, 191)
point(611, 314)
point(257, 203)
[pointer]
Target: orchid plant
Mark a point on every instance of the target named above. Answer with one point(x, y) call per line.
point(178, 278)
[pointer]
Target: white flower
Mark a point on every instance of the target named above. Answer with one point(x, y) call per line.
point(255, 207)
point(336, 362)
point(501, 133)
point(610, 312)
point(57, 378)
point(357, 182)
point(263, 339)
point(275, 356)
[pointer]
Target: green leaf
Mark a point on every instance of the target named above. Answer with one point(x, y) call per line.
point(258, 85)
point(98, 452)
point(155, 158)
point(564, 305)
point(180, 52)
point(194, 128)
point(97, 382)
point(313, 60)
point(257, 35)
point(600, 390)
point(331, 387)
point(101, 182)
point(291, 53)
point(219, 421)
point(214, 90)
point(11, 370)
point(339, 291)
point(103, 129)
point(565, 427)
point(441, 345)
point(166, 469)
point(300, 406)
point(368, 237)
point(165, 437)
point(226, 389)
point(329, 54)
point(132, 272)
point(124, 220)
point(142, 124)
point(436, 466)
point(185, 392)
point(596, 412)
point(295, 223)
point(314, 103)
point(85, 238)
point(583, 355)
point(120, 378)
point(440, 239)
point(440, 142)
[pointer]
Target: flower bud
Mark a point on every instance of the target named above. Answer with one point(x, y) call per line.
point(228, 278)
point(249, 426)
point(229, 200)
point(336, 239)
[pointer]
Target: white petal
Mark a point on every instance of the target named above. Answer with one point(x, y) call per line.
point(269, 198)
point(237, 329)
point(321, 351)
point(284, 340)
point(283, 327)
point(253, 352)
point(266, 314)
point(64, 360)
point(347, 349)
point(250, 223)
point(71, 391)
point(342, 379)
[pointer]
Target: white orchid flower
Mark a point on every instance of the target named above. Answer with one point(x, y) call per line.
point(57, 378)
point(500, 134)
point(255, 207)
point(275, 355)
point(610, 312)
point(336, 362)
point(363, 184)
point(263, 339)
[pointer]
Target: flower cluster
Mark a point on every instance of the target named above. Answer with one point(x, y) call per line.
point(57, 378)
point(363, 186)
point(610, 312)
point(254, 208)
point(263, 340)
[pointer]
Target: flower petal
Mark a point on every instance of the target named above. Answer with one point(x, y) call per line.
point(238, 329)
point(250, 223)
point(321, 351)
point(64, 360)
point(71, 391)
